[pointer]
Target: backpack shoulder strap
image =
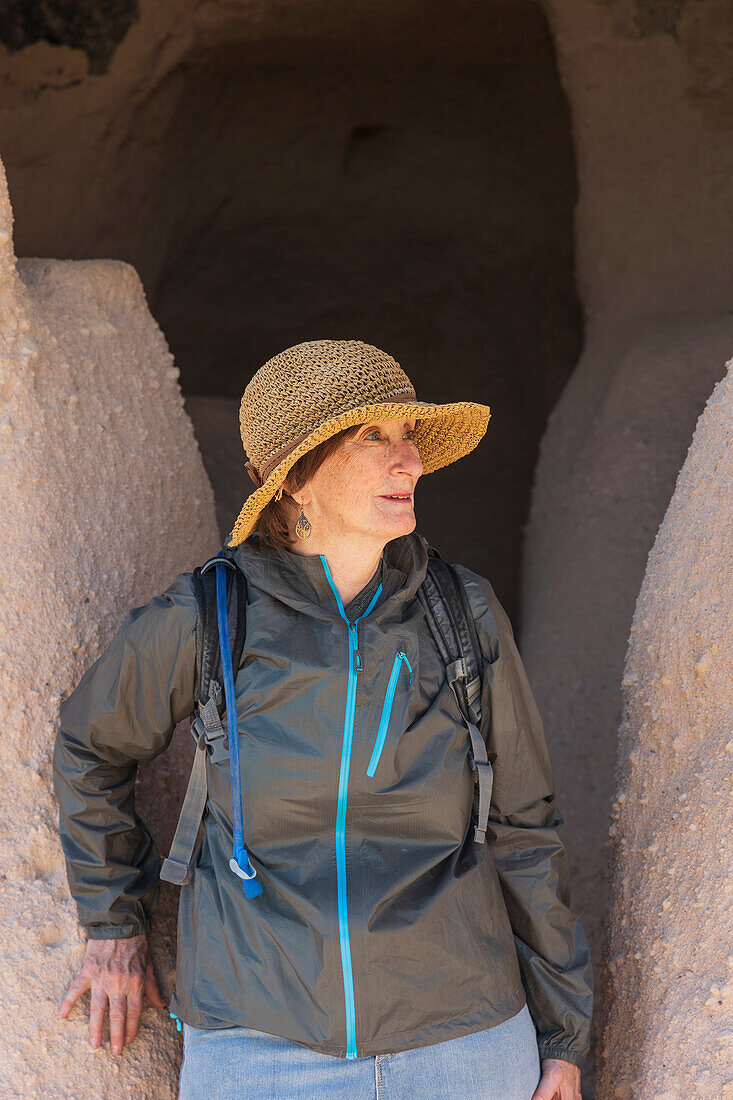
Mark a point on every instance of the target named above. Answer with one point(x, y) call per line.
point(451, 621)
point(452, 625)
point(206, 724)
point(208, 653)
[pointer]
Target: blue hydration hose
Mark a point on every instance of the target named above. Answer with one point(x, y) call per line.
point(239, 863)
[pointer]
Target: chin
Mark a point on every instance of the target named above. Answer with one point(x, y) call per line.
point(397, 528)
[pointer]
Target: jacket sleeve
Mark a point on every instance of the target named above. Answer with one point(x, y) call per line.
point(122, 712)
point(530, 858)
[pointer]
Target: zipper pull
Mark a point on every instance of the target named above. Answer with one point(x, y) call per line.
point(404, 658)
point(357, 655)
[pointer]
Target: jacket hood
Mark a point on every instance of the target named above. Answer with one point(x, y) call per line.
point(300, 580)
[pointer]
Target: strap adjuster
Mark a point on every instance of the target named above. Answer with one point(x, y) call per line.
point(456, 670)
point(473, 690)
point(173, 871)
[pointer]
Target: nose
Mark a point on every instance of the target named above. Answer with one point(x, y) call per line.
point(406, 460)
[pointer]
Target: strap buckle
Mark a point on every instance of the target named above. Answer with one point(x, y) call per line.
point(207, 729)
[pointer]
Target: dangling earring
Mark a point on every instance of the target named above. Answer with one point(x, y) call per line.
point(303, 528)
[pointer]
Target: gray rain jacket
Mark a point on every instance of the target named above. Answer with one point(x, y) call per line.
point(382, 925)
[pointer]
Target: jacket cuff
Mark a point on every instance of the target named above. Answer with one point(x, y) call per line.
point(116, 931)
point(547, 1050)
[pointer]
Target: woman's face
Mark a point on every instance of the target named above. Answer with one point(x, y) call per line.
point(354, 489)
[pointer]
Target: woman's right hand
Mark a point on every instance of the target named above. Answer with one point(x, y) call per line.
point(121, 972)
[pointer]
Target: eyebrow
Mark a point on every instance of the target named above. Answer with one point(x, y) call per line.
point(375, 424)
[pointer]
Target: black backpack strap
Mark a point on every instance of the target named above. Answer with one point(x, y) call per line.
point(451, 622)
point(208, 655)
point(206, 724)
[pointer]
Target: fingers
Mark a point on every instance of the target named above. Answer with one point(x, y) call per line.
point(134, 991)
point(120, 973)
point(152, 989)
point(78, 985)
point(96, 1016)
point(560, 1081)
point(124, 1012)
point(547, 1088)
point(117, 1022)
point(544, 1092)
point(134, 1009)
point(148, 987)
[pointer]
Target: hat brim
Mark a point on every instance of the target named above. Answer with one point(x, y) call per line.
point(443, 434)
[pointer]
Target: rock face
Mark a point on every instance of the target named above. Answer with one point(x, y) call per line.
point(668, 1015)
point(106, 500)
point(606, 474)
point(216, 424)
point(650, 100)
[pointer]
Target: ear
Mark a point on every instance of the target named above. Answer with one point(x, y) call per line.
point(296, 497)
point(300, 496)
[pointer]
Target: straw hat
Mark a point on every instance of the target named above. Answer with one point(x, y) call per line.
point(313, 390)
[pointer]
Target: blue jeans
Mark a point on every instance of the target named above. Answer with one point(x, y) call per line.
point(235, 1063)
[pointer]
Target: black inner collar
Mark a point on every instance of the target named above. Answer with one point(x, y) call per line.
point(362, 599)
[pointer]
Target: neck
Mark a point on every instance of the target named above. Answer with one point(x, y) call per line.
point(352, 561)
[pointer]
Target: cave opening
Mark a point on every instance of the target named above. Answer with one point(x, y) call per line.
point(405, 177)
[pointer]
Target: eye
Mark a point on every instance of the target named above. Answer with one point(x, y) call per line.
point(409, 432)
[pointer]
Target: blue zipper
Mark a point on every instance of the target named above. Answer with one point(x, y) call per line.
point(387, 709)
point(354, 666)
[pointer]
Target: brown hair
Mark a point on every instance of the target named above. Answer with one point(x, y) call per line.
point(277, 517)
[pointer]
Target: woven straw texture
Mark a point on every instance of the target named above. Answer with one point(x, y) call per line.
point(313, 390)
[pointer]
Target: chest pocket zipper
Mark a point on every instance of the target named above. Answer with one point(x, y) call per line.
point(400, 656)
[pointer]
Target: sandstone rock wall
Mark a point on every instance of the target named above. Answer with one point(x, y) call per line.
point(105, 501)
point(668, 1007)
point(651, 114)
point(600, 494)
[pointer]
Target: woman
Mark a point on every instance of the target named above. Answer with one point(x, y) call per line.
point(388, 954)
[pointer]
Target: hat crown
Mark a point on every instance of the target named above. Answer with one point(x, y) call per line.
point(309, 383)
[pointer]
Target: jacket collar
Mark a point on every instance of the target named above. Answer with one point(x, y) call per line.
point(300, 580)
